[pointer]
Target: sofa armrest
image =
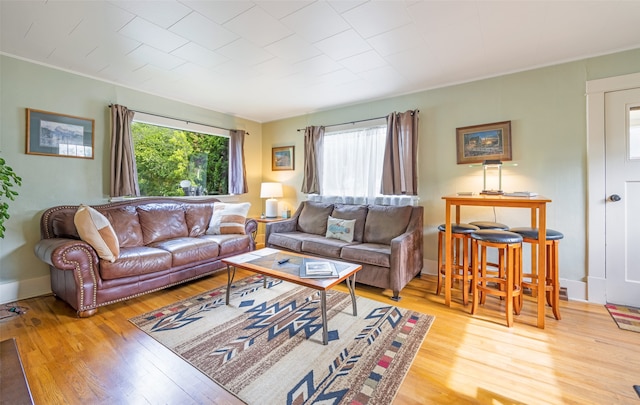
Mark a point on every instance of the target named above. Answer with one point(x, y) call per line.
point(66, 254)
point(251, 228)
point(287, 225)
point(406, 259)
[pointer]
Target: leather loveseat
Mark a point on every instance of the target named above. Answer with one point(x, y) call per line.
point(162, 242)
point(385, 240)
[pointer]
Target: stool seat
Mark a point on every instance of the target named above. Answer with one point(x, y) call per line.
point(532, 233)
point(496, 236)
point(459, 228)
point(490, 225)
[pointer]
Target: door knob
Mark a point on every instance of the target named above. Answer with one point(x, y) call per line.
point(615, 197)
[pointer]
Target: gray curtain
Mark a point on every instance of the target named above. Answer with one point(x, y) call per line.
point(124, 175)
point(400, 170)
point(237, 169)
point(313, 140)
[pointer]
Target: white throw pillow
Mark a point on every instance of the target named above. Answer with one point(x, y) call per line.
point(228, 218)
point(95, 229)
point(340, 228)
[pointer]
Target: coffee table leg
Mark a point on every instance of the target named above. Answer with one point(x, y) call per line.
point(323, 306)
point(351, 284)
point(230, 276)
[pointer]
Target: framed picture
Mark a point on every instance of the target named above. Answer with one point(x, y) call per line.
point(282, 158)
point(478, 143)
point(53, 134)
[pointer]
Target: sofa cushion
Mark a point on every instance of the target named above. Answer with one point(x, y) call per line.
point(95, 229)
point(368, 253)
point(198, 217)
point(188, 250)
point(136, 261)
point(357, 212)
point(126, 223)
point(228, 218)
point(321, 246)
point(161, 222)
point(385, 223)
point(289, 240)
point(230, 244)
point(341, 229)
point(313, 217)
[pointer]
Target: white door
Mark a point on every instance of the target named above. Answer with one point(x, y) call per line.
point(622, 137)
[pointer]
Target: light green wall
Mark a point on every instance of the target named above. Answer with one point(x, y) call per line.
point(547, 110)
point(546, 107)
point(49, 181)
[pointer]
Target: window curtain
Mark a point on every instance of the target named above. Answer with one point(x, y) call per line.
point(237, 168)
point(124, 175)
point(353, 163)
point(400, 170)
point(313, 145)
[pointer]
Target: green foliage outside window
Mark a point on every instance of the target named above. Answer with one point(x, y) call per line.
point(166, 156)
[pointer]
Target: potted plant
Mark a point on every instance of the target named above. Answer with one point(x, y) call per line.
point(8, 180)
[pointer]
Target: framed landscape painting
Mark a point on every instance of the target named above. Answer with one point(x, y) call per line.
point(477, 143)
point(282, 158)
point(54, 134)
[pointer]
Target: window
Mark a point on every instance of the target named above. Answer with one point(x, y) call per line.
point(352, 162)
point(175, 158)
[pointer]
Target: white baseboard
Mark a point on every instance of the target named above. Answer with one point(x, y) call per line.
point(23, 289)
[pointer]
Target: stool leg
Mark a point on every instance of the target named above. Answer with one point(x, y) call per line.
point(474, 276)
point(440, 263)
point(509, 274)
point(465, 271)
point(555, 280)
point(517, 280)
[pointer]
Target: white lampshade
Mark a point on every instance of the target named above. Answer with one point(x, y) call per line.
point(270, 191)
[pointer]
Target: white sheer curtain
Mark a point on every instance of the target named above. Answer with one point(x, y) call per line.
point(352, 163)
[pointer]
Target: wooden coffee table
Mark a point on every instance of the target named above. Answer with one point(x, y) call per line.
point(265, 262)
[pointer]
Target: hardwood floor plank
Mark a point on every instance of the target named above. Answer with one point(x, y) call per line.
point(582, 359)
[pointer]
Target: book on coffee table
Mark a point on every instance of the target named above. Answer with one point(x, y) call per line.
point(317, 269)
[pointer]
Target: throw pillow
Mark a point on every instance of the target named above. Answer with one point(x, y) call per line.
point(340, 229)
point(228, 218)
point(95, 229)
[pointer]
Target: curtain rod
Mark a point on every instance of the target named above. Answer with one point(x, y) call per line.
point(178, 119)
point(351, 122)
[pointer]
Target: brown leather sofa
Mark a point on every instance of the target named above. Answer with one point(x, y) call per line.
point(387, 240)
point(162, 243)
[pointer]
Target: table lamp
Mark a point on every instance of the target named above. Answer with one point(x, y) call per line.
point(270, 191)
point(492, 165)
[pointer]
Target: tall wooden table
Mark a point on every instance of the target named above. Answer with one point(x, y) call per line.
point(538, 207)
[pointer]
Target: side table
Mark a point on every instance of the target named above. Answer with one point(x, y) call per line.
point(261, 229)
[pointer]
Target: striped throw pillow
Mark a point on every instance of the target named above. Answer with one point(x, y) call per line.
point(228, 218)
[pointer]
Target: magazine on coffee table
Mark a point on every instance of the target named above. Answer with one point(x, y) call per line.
point(312, 268)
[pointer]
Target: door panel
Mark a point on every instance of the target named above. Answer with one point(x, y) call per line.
point(622, 135)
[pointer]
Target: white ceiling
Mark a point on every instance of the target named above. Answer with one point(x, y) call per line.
point(266, 60)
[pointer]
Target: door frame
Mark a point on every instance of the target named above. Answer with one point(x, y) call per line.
point(596, 177)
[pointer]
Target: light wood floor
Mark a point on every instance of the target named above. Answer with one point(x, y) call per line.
point(582, 359)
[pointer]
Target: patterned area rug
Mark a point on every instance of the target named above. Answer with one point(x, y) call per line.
point(627, 318)
point(266, 346)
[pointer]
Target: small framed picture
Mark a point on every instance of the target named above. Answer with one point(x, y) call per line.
point(283, 158)
point(478, 143)
point(54, 134)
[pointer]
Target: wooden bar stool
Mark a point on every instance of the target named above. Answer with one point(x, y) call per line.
point(490, 225)
point(552, 277)
point(460, 267)
point(506, 283)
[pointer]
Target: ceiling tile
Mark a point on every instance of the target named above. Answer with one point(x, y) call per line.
point(363, 62)
point(147, 54)
point(293, 49)
point(279, 9)
point(373, 18)
point(219, 11)
point(245, 52)
point(203, 31)
point(397, 40)
point(152, 35)
point(163, 13)
point(343, 45)
point(258, 27)
point(316, 21)
point(199, 55)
